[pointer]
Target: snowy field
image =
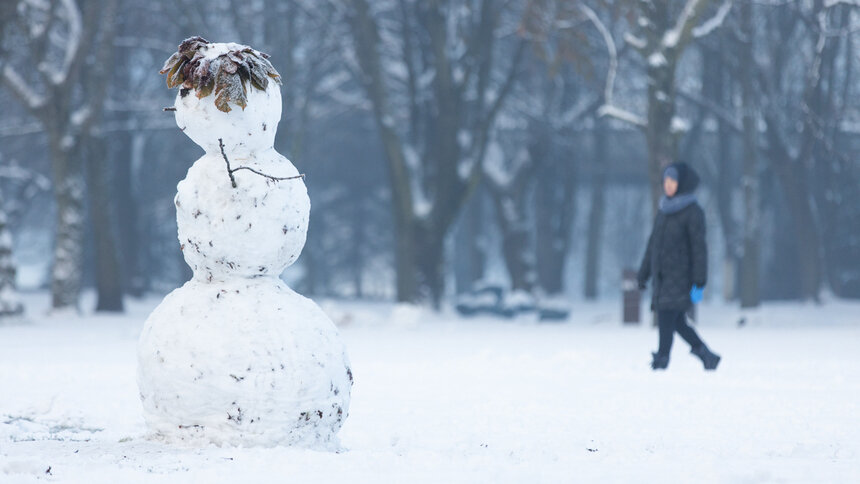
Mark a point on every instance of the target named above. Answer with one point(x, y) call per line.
point(441, 400)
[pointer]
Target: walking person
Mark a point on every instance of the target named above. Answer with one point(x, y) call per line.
point(677, 259)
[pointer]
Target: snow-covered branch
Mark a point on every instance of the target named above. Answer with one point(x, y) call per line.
point(608, 109)
point(21, 89)
point(73, 42)
point(621, 114)
point(680, 34)
point(637, 43)
point(610, 47)
point(500, 176)
point(714, 22)
point(833, 3)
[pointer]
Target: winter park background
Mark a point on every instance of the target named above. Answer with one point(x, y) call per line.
point(481, 173)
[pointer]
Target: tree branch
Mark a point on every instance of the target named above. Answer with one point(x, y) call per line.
point(714, 22)
point(21, 90)
point(679, 36)
point(622, 115)
point(72, 47)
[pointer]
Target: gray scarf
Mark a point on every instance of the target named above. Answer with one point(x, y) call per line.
point(676, 203)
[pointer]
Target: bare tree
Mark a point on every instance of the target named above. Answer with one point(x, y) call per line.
point(58, 36)
point(661, 34)
point(433, 74)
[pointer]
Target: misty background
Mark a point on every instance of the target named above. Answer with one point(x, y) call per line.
point(448, 146)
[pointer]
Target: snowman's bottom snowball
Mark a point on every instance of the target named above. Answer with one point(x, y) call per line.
point(243, 362)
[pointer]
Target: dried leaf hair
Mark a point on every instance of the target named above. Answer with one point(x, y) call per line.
point(226, 75)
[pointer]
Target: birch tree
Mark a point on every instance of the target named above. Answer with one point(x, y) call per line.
point(43, 72)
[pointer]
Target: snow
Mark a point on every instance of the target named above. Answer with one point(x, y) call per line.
point(679, 125)
point(833, 3)
point(479, 400)
point(494, 165)
point(217, 49)
point(657, 59)
point(670, 38)
point(257, 228)
point(244, 362)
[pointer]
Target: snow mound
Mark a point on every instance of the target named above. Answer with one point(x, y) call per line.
point(244, 362)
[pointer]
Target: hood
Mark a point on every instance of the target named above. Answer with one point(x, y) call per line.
point(688, 179)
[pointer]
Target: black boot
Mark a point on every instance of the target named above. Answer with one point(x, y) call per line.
point(659, 362)
point(709, 358)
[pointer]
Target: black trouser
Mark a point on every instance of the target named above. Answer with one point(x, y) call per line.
point(670, 321)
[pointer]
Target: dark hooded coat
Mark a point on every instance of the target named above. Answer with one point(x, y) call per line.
point(677, 255)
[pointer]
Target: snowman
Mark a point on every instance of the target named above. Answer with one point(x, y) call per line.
point(235, 356)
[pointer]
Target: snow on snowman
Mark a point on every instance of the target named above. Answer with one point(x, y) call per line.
point(235, 356)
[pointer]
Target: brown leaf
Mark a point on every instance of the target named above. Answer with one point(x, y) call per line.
point(170, 63)
point(205, 89)
point(222, 101)
point(229, 67)
point(175, 77)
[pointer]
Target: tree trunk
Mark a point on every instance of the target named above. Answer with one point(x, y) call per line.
point(805, 226)
point(554, 211)
point(749, 276)
point(469, 254)
point(428, 260)
point(725, 187)
point(357, 247)
point(10, 303)
point(108, 273)
point(134, 279)
point(598, 208)
point(511, 217)
point(67, 268)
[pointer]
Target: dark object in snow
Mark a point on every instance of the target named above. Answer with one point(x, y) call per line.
point(659, 362)
point(482, 299)
point(742, 322)
point(553, 313)
point(490, 299)
point(518, 302)
point(631, 296)
point(227, 74)
point(709, 359)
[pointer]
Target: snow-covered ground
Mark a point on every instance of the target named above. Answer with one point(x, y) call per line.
point(443, 400)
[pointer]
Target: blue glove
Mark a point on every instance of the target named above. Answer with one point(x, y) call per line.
point(696, 294)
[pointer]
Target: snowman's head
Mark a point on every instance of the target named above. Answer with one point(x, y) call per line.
point(227, 92)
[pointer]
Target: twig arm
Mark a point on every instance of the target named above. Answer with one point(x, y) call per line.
point(230, 170)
